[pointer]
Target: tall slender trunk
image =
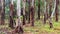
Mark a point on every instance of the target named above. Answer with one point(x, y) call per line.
point(47, 8)
point(29, 10)
point(32, 13)
point(3, 12)
point(11, 14)
point(45, 12)
point(24, 17)
point(56, 10)
point(19, 27)
point(38, 9)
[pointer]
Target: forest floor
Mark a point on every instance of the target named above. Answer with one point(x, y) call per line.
point(39, 28)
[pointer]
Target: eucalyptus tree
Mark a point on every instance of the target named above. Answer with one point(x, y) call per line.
point(19, 27)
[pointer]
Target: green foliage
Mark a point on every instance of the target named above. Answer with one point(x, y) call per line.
point(42, 29)
point(41, 3)
point(6, 10)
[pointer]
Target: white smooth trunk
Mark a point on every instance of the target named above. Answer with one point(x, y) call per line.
point(32, 3)
point(18, 13)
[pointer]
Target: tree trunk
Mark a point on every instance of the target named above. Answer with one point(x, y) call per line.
point(47, 10)
point(50, 23)
point(29, 10)
point(19, 27)
point(56, 10)
point(32, 16)
point(32, 13)
point(24, 17)
point(11, 14)
point(0, 11)
point(44, 18)
point(45, 15)
point(3, 12)
point(38, 9)
point(50, 12)
point(21, 11)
